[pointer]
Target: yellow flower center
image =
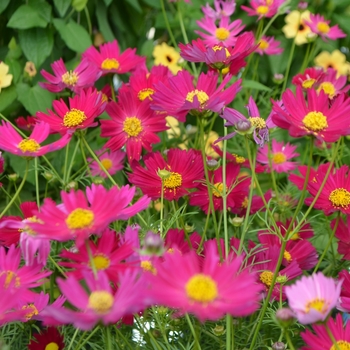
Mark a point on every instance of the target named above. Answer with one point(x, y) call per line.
point(132, 126)
point(316, 304)
point(245, 203)
point(79, 219)
point(340, 197)
point(70, 78)
point(239, 159)
point(222, 34)
point(201, 288)
point(145, 93)
point(29, 145)
point(279, 158)
point(295, 236)
point(219, 48)
point(101, 262)
point(173, 181)
point(27, 229)
point(32, 311)
point(101, 301)
point(9, 276)
point(341, 345)
point(110, 63)
point(148, 266)
point(107, 163)
point(287, 256)
point(218, 189)
point(262, 10)
point(74, 118)
point(307, 84)
point(315, 121)
point(323, 27)
point(201, 95)
point(266, 277)
point(263, 44)
point(257, 122)
point(328, 89)
point(52, 346)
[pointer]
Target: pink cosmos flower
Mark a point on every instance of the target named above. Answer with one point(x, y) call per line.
point(208, 289)
point(46, 338)
point(263, 8)
point(236, 190)
point(99, 303)
point(279, 154)
point(320, 26)
point(175, 240)
point(309, 78)
point(313, 297)
point(343, 234)
point(269, 46)
point(225, 34)
point(78, 216)
point(315, 117)
point(12, 142)
point(80, 114)
point(112, 162)
point(82, 77)
point(182, 97)
point(331, 84)
point(26, 123)
point(222, 8)
point(185, 168)
point(133, 125)
point(110, 60)
point(344, 300)
point(322, 341)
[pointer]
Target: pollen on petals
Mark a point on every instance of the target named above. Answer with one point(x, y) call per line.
point(287, 256)
point(218, 189)
point(110, 63)
point(257, 122)
point(70, 78)
point(80, 219)
point(52, 346)
point(201, 288)
point(263, 44)
point(32, 311)
point(145, 93)
point(28, 145)
point(307, 84)
point(266, 278)
point(74, 118)
point(328, 88)
point(315, 121)
point(340, 197)
point(342, 345)
point(132, 126)
point(173, 181)
point(317, 304)
point(101, 301)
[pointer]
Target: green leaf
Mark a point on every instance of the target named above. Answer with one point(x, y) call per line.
point(152, 3)
point(42, 8)
point(74, 35)
point(79, 5)
point(62, 6)
point(36, 44)
point(102, 19)
point(34, 98)
point(343, 22)
point(7, 96)
point(15, 50)
point(16, 69)
point(135, 4)
point(26, 17)
point(3, 5)
point(251, 84)
point(107, 2)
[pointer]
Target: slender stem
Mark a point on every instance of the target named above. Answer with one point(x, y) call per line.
point(120, 333)
point(66, 163)
point(289, 341)
point(73, 338)
point(161, 209)
point(79, 346)
point(37, 195)
point(91, 258)
point(88, 20)
point(72, 161)
point(168, 24)
point(108, 341)
point(193, 332)
point(58, 267)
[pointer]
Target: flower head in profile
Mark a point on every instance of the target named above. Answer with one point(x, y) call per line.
point(49, 337)
point(297, 28)
point(263, 8)
point(83, 76)
point(222, 8)
point(5, 78)
point(110, 60)
point(321, 27)
point(335, 60)
point(111, 161)
point(79, 115)
point(278, 156)
point(313, 297)
point(309, 78)
point(167, 56)
point(207, 289)
point(269, 46)
point(12, 142)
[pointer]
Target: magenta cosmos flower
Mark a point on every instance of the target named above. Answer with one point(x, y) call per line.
point(263, 8)
point(236, 190)
point(315, 117)
point(343, 234)
point(312, 298)
point(110, 60)
point(222, 8)
point(332, 85)
point(99, 303)
point(225, 34)
point(133, 125)
point(78, 216)
point(82, 77)
point(12, 142)
point(279, 156)
point(48, 337)
point(80, 114)
point(322, 341)
point(309, 78)
point(321, 27)
point(185, 169)
point(181, 96)
point(207, 289)
point(269, 46)
point(112, 162)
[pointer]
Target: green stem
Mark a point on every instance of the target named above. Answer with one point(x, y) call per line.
point(161, 209)
point(289, 341)
point(37, 195)
point(168, 24)
point(73, 338)
point(330, 334)
point(108, 341)
point(58, 267)
point(66, 163)
point(91, 258)
point(72, 161)
point(88, 20)
point(193, 332)
point(121, 335)
point(81, 344)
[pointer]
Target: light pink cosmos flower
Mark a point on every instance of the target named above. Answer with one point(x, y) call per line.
point(312, 298)
point(12, 142)
point(269, 46)
point(225, 34)
point(99, 303)
point(320, 26)
point(112, 161)
point(222, 8)
point(83, 76)
point(79, 216)
point(207, 289)
point(280, 154)
point(263, 8)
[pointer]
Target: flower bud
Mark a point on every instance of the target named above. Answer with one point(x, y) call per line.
point(212, 164)
point(73, 185)
point(285, 317)
point(237, 221)
point(278, 346)
point(153, 244)
point(30, 69)
point(189, 228)
point(278, 78)
point(13, 177)
point(47, 176)
point(98, 180)
point(219, 330)
point(244, 126)
point(164, 174)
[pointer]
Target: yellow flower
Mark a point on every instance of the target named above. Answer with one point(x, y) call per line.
point(167, 56)
point(335, 60)
point(5, 79)
point(296, 27)
point(30, 69)
point(209, 140)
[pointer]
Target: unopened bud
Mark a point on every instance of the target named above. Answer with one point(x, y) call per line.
point(13, 177)
point(153, 244)
point(164, 174)
point(30, 69)
point(278, 78)
point(243, 126)
point(302, 5)
point(71, 185)
point(189, 228)
point(219, 330)
point(212, 164)
point(237, 221)
point(98, 180)
point(278, 346)
point(285, 317)
point(47, 175)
